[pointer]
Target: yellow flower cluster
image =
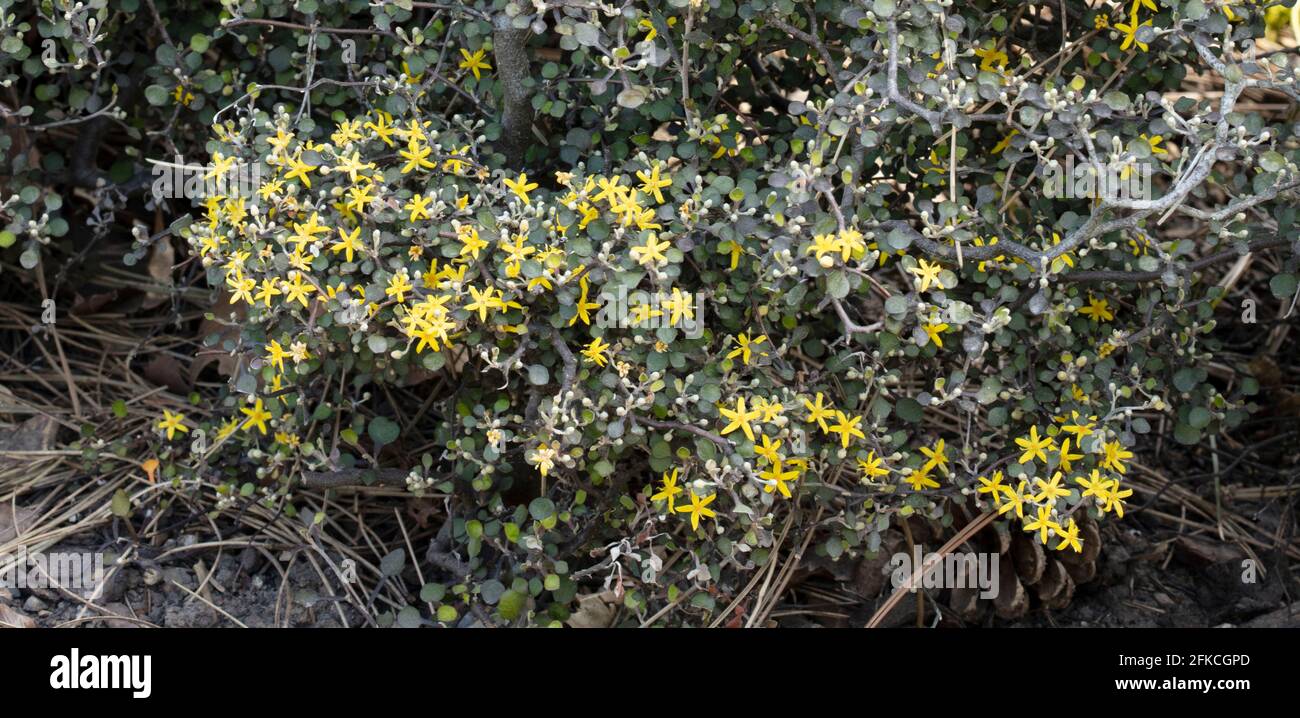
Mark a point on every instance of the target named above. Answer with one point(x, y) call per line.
point(1041, 496)
point(273, 259)
point(847, 244)
point(847, 427)
point(697, 508)
point(316, 240)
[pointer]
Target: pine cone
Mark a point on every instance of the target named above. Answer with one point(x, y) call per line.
point(1029, 573)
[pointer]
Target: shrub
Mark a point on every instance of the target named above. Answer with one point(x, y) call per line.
point(656, 292)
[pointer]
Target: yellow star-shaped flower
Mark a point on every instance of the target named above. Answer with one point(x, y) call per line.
point(348, 242)
point(698, 509)
point(257, 417)
point(475, 62)
point(172, 423)
point(1034, 446)
point(847, 428)
point(669, 490)
point(521, 187)
point(926, 273)
point(740, 418)
point(819, 413)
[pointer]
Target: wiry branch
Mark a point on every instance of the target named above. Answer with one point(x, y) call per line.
point(934, 117)
point(566, 356)
point(808, 39)
point(1103, 219)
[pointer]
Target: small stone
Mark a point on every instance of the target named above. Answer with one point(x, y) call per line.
point(119, 609)
point(113, 586)
point(178, 575)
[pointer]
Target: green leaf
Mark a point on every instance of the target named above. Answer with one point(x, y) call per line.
point(1283, 285)
point(538, 375)
point(433, 361)
point(837, 285)
point(432, 592)
point(121, 504)
point(998, 416)
point(633, 96)
point(1116, 100)
point(541, 508)
point(511, 604)
point(834, 547)
point(1186, 379)
point(909, 410)
point(491, 591)
point(586, 34)
point(1199, 417)
point(1186, 435)
point(392, 564)
point(409, 617)
point(1272, 161)
point(156, 95)
point(383, 431)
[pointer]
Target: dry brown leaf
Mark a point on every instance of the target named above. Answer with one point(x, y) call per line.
point(595, 610)
point(35, 434)
point(164, 370)
point(13, 618)
point(418, 375)
point(1266, 370)
point(161, 260)
point(84, 305)
point(14, 519)
point(226, 363)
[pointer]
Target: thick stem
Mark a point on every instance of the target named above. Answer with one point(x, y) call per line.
point(511, 55)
